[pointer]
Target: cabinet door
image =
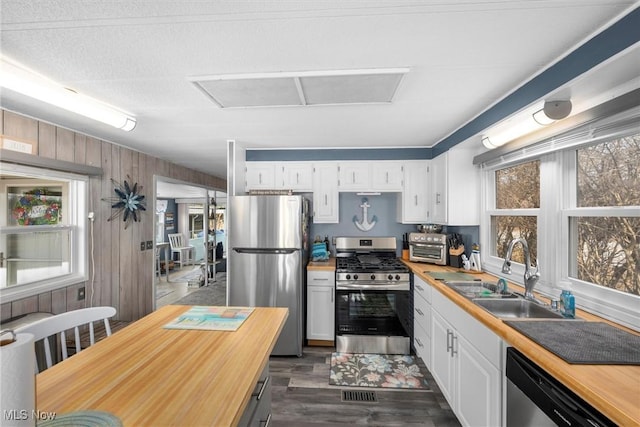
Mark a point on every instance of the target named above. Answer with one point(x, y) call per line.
point(442, 362)
point(478, 387)
point(438, 178)
point(386, 176)
point(413, 206)
point(353, 176)
point(297, 176)
point(325, 193)
point(260, 176)
point(320, 313)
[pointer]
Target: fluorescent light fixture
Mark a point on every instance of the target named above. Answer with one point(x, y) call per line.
point(552, 111)
point(17, 78)
point(541, 118)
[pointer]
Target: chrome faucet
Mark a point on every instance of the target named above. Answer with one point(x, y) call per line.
point(530, 277)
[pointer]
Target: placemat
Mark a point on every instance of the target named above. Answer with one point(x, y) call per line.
point(450, 276)
point(581, 342)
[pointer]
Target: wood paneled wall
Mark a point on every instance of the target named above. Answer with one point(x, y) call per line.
point(123, 273)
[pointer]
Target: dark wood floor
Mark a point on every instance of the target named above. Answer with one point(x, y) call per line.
point(302, 396)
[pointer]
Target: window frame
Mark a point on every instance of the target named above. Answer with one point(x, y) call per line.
point(558, 190)
point(77, 224)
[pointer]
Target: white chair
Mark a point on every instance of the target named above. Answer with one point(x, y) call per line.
point(184, 251)
point(52, 326)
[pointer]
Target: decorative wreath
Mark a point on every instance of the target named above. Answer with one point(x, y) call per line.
point(37, 207)
point(128, 203)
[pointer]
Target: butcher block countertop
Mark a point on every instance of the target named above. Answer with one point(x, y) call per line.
point(613, 389)
point(147, 375)
point(329, 265)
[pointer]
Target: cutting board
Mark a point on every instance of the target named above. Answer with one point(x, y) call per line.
point(580, 342)
point(450, 276)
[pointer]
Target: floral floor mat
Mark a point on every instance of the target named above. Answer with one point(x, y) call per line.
point(377, 370)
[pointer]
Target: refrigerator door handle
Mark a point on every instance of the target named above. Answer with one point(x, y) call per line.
point(264, 251)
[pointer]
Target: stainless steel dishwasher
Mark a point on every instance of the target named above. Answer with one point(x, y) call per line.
point(534, 398)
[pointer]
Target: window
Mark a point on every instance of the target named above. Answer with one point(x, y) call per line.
point(517, 200)
point(605, 240)
point(575, 198)
point(42, 237)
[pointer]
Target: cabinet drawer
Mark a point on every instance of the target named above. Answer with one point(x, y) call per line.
point(422, 313)
point(321, 278)
point(422, 288)
point(422, 344)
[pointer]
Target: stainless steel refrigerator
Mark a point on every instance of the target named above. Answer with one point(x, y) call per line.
point(267, 258)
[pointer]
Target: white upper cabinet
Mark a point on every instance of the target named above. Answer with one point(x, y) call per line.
point(296, 176)
point(455, 188)
point(413, 201)
point(386, 176)
point(353, 176)
point(377, 175)
point(260, 176)
point(325, 192)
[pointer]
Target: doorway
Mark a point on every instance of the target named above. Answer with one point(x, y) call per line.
point(190, 211)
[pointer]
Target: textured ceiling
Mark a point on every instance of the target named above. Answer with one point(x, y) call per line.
point(464, 56)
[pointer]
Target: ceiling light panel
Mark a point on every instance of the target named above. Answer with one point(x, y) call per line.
point(258, 92)
point(302, 88)
point(352, 89)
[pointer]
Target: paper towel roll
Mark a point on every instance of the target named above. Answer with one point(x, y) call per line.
point(18, 380)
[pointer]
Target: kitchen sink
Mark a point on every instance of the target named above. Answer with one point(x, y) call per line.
point(516, 309)
point(478, 289)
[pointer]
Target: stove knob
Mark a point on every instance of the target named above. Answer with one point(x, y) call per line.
point(397, 277)
point(348, 277)
point(373, 277)
point(390, 277)
point(355, 277)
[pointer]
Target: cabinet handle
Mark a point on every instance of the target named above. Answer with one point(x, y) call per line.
point(437, 198)
point(449, 340)
point(297, 178)
point(418, 342)
point(419, 312)
point(260, 177)
point(420, 288)
point(387, 177)
point(320, 279)
point(353, 177)
point(266, 422)
point(325, 200)
point(454, 345)
point(331, 295)
point(415, 200)
point(262, 388)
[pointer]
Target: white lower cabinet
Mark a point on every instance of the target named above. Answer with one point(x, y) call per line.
point(422, 320)
point(466, 364)
point(321, 305)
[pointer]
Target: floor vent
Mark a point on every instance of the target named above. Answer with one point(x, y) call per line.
point(359, 396)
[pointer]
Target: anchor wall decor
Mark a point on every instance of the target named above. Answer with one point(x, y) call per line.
point(364, 224)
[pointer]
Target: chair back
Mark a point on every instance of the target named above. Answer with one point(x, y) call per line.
point(52, 326)
point(176, 241)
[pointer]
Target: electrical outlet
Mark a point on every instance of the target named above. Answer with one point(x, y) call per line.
point(149, 244)
point(80, 294)
point(142, 246)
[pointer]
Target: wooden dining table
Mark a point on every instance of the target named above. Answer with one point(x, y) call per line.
point(147, 375)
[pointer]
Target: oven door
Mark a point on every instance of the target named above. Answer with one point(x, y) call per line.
point(373, 312)
point(424, 252)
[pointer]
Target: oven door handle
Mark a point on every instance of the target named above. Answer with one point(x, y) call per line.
point(385, 287)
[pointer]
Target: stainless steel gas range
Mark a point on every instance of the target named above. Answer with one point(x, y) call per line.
point(373, 304)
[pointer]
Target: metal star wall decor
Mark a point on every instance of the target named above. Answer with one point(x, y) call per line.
point(128, 202)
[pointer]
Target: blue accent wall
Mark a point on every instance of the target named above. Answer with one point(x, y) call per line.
point(339, 154)
point(384, 208)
